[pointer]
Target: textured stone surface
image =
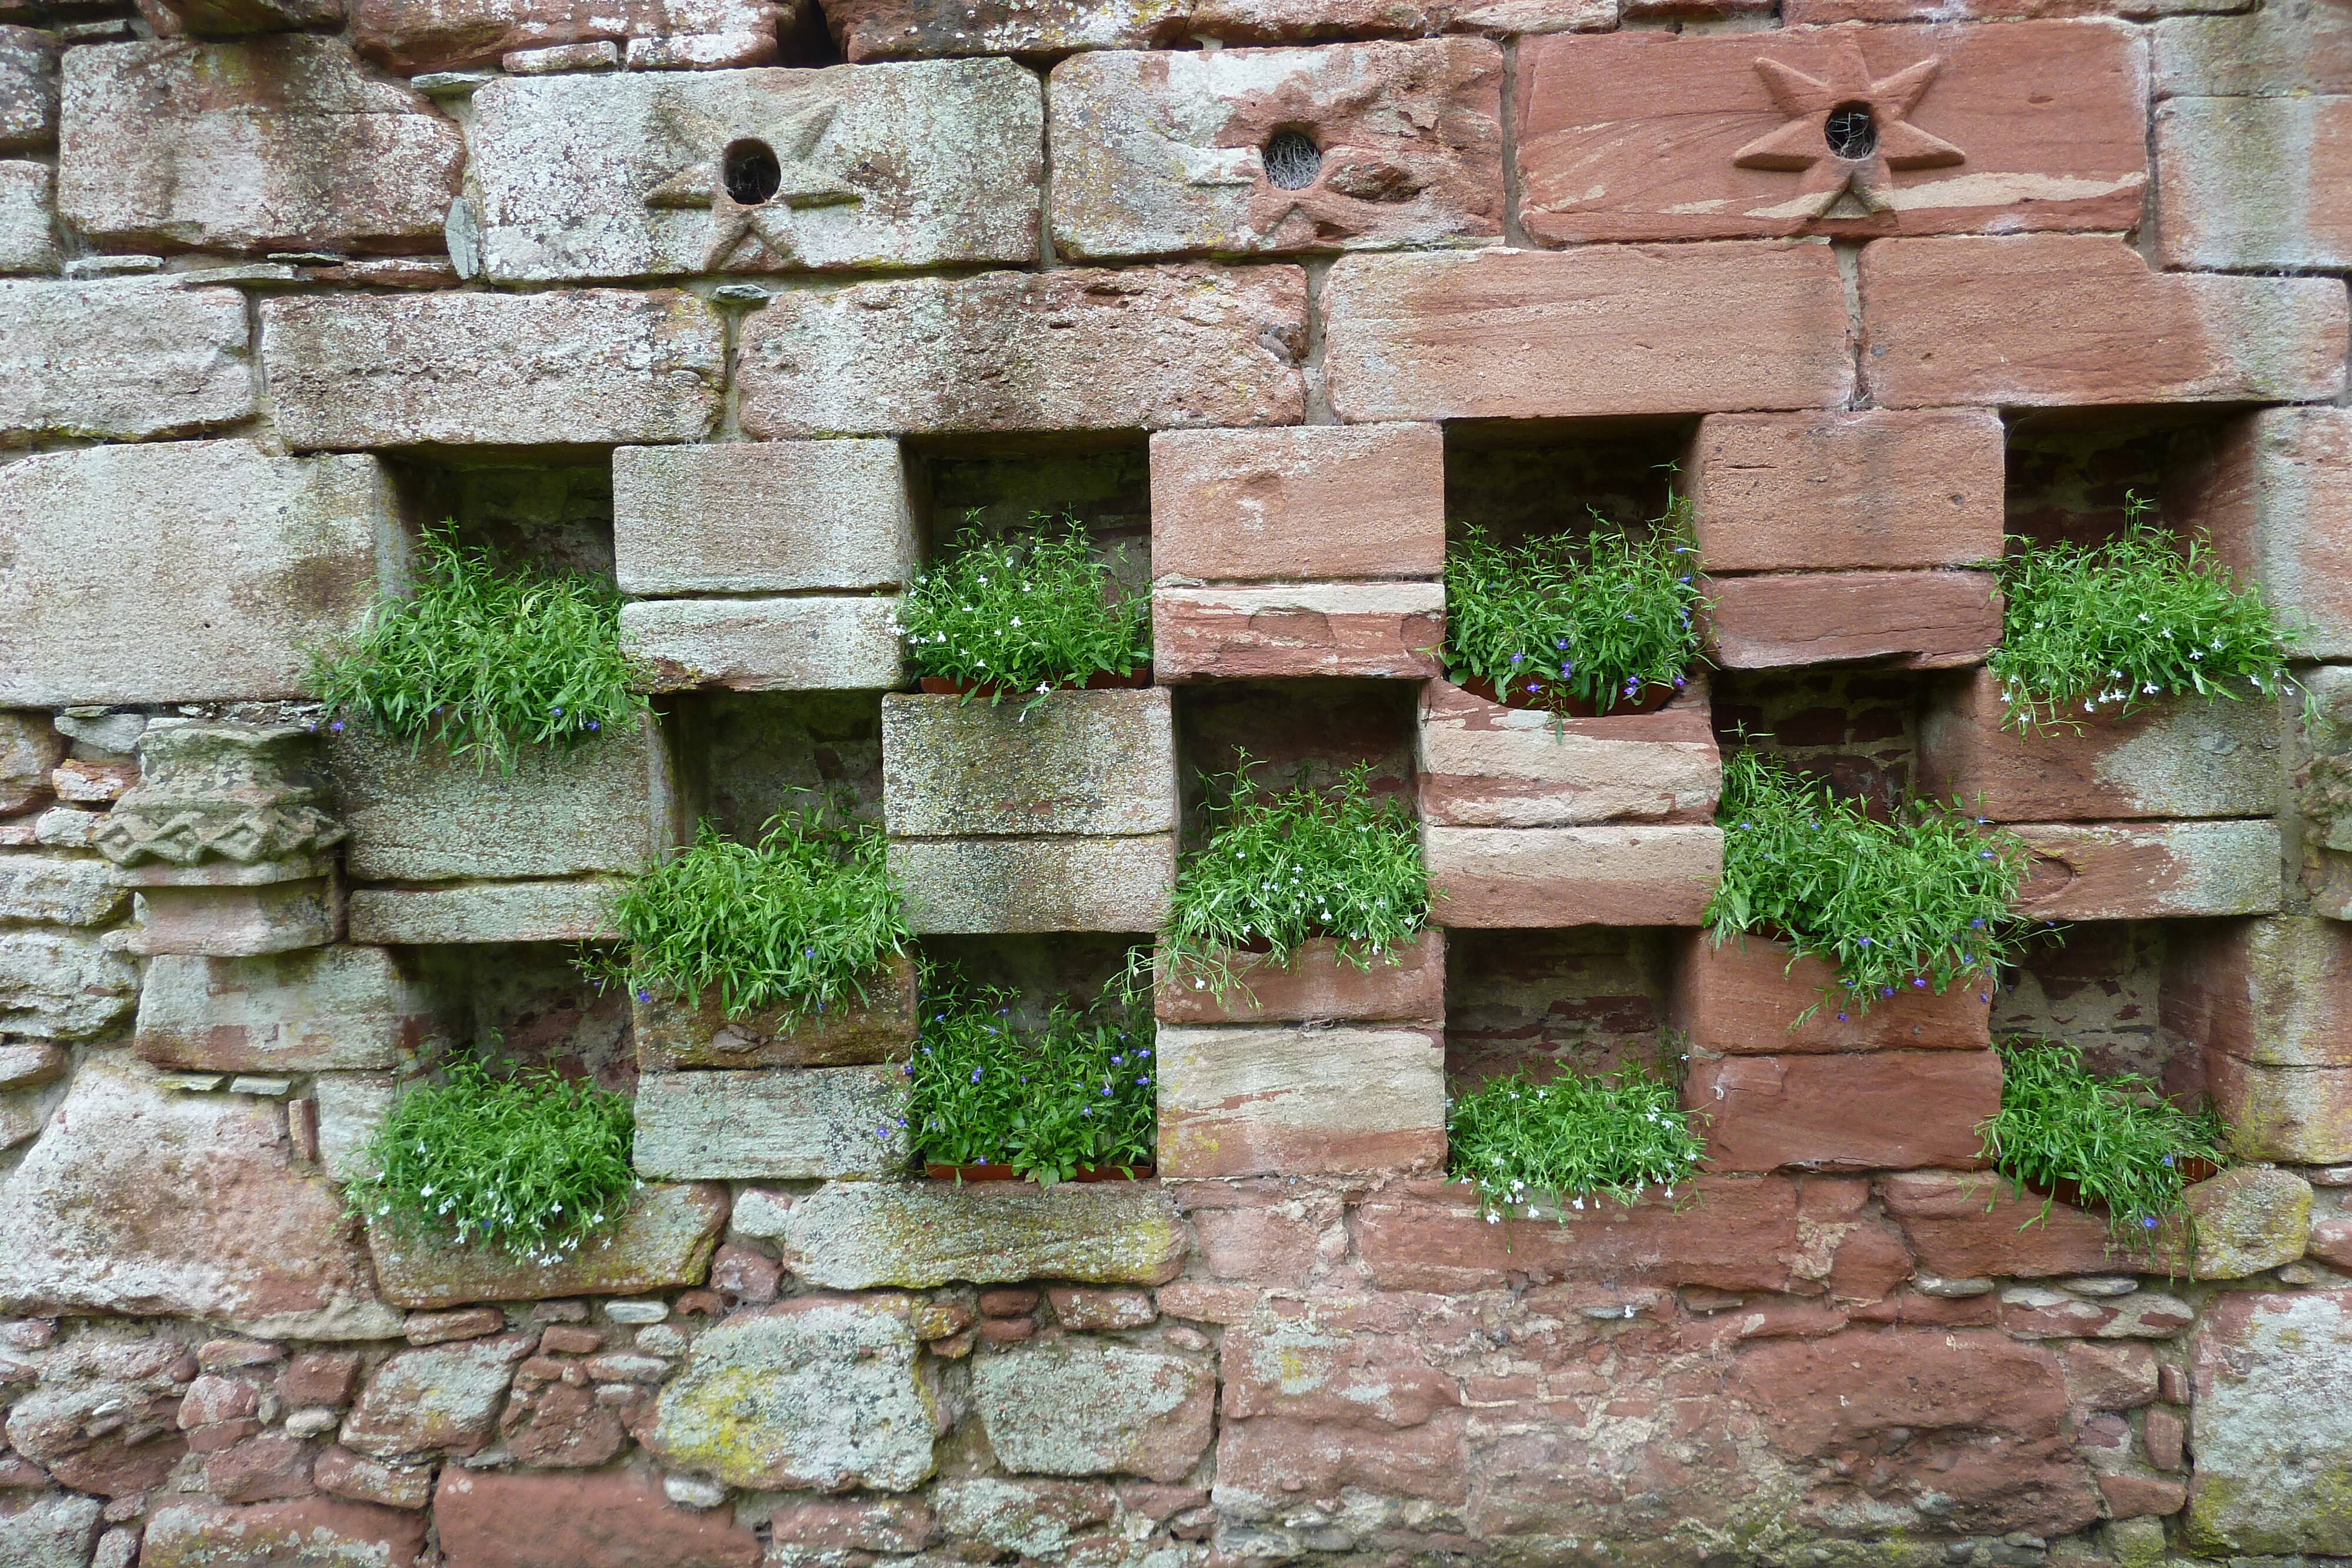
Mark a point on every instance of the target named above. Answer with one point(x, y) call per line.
point(210, 18)
point(673, 1033)
point(2060, 319)
point(1080, 762)
point(413, 37)
point(1880, 1110)
point(1161, 154)
point(27, 238)
point(315, 1532)
point(1526, 335)
point(778, 644)
point(1965, 1227)
point(139, 1200)
point(1727, 1233)
point(767, 517)
point(1744, 996)
point(323, 1010)
point(769, 1124)
point(1482, 765)
point(272, 143)
point(1310, 503)
point(1303, 630)
point(127, 359)
point(49, 1529)
point(63, 984)
point(615, 1518)
point(1609, 874)
point(444, 1397)
point(30, 748)
point(1075, 349)
point(1404, 985)
point(899, 166)
point(1652, 136)
point(856, 1236)
point(1906, 620)
point(579, 911)
point(469, 368)
point(2276, 991)
point(821, 1391)
point(2150, 871)
point(2300, 1115)
point(2248, 1220)
point(2277, 501)
point(891, 30)
point(54, 890)
point(1245, 1101)
point(1081, 1407)
point(28, 88)
point(2254, 183)
point(2273, 1466)
point(663, 1241)
point(2294, 47)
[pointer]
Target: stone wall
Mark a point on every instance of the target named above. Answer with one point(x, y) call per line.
point(745, 300)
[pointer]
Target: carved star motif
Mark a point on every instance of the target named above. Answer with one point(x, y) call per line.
point(1803, 143)
point(703, 183)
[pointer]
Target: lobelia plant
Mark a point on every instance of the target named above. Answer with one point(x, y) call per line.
point(1073, 1094)
point(1524, 1143)
point(1921, 902)
point(485, 657)
point(1554, 622)
point(532, 1162)
point(1030, 613)
point(2108, 626)
point(2115, 1140)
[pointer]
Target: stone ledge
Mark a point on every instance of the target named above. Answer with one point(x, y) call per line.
point(859, 1236)
point(665, 1241)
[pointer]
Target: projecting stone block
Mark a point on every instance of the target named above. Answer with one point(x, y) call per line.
point(1303, 504)
point(577, 367)
point(767, 517)
point(1630, 874)
point(913, 29)
point(330, 1009)
point(1878, 1110)
point(1164, 153)
point(1875, 490)
point(579, 910)
point(1744, 996)
point(1905, 619)
point(2276, 991)
point(2150, 871)
point(1657, 136)
point(2255, 183)
point(1297, 1102)
point(2176, 757)
point(28, 241)
point(121, 360)
point(2043, 320)
point(1003, 885)
point(225, 910)
point(899, 166)
point(28, 88)
point(855, 1235)
point(2299, 1114)
point(210, 18)
point(2277, 501)
point(774, 1123)
point(1098, 762)
point(1075, 349)
point(1083, 1408)
point(663, 1242)
point(673, 1033)
point(1263, 632)
point(1482, 765)
point(413, 37)
point(272, 143)
point(1405, 985)
point(263, 559)
point(1530, 335)
point(776, 644)
point(1982, 1226)
point(63, 984)
point(2271, 1430)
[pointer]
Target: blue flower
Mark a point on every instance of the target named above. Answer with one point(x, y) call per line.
point(559, 713)
point(1977, 924)
point(1106, 1091)
point(975, 1074)
point(645, 995)
point(1919, 983)
point(593, 725)
point(1842, 1018)
point(337, 726)
point(1865, 941)
point(2149, 1223)
point(1516, 657)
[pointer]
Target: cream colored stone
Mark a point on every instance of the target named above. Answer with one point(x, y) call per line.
point(572, 910)
point(29, 240)
point(775, 1123)
point(856, 1236)
point(1291, 1101)
point(1604, 875)
point(777, 644)
point(63, 984)
point(125, 361)
point(764, 517)
point(2150, 871)
point(1481, 764)
point(1012, 884)
point(337, 1008)
point(1077, 762)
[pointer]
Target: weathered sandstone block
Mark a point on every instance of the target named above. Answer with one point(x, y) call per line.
point(2254, 183)
point(1878, 1110)
point(213, 18)
point(30, 749)
point(1077, 349)
point(1404, 985)
point(225, 910)
point(413, 36)
point(609, 1519)
point(2150, 871)
point(1482, 765)
point(914, 29)
point(1246, 1100)
point(1100, 762)
point(855, 1235)
point(1529, 335)
point(206, 1534)
point(2059, 320)
point(1743, 998)
point(50, 1530)
point(1980, 1226)
point(2300, 1115)
point(443, 1397)
point(272, 143)
point(1655, 136)
point(772, 1125)
point(1876, 490)
point(326, 1010)
point(767, 645)
point(663, 1241)
point(1608, 875)
point(1165, 153)
point(2268, 1426)
point(2277, 501)
point(63, 984)
point(2268, 1000)
point(1906, 620)
point(2301, 47)
point(594, 366)
point(1306, 504)
point(768, 517)
point(1264, 632)
point(673, 1033)
point(899, 166)
point(53, 890)
point(579, 910)
point(28, 88)
point(29, 240)
point(2249, 1220)
point(124, 361)
point(1082, 1407)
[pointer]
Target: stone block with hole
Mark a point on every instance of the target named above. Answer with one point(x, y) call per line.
point(1481, 764)
point(1612, 873)
point(1294, 1100)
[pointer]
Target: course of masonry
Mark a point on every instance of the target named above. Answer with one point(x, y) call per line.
point(744, 302)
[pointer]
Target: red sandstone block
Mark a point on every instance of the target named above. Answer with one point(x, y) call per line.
point(2248, 183)
point(1881, 489)
point(1743, 998)
point(1606, 875)
point(612, 1518)
point(1300, 504)
point(2277, 992)
point(1479, 763)
point(413, 36)
point(2142, 1496)
point(1506, 334)
point(1649, 135)
point(1904, 620)
point(1971, 1227)
point(2301, 1115)
point(1248, 1100)
point(1883, 1110)
point(2181, 756)
point(2150, 871)
point(2041, 320)
point(320, 1377)
point(2277, 499)
point(875, 1524)
point(1317, 984)
point(1330, 628)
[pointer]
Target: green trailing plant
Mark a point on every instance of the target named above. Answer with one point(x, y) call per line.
point(1574, 1138)
point(803, 920)
point(530, 1161)
point(2113, 1142)
point(1920, 902)
point(486, 658)
point(2098, 630)
point(1074, 1093)
point(1029, 613)
point(1556, 619)
point(1282, 869)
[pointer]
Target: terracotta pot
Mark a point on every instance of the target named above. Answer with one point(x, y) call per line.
point(1005, 1173)
point(944, 686)
point(1653, 696)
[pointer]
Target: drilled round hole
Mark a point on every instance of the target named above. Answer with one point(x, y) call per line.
point(752, 171)
point(1292, 159)
point(1852, 130)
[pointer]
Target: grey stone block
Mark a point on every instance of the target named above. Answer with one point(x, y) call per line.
point(762, 516)
point(122, 361)
point(773, 1123)
point(769, 645)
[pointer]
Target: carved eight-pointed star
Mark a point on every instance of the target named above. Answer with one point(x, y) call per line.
point(1888, 142)
point(798, 182)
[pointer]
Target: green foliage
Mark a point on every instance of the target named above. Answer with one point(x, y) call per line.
point(533, 1162)
point(2093, 630)
point(2116, 1139)
point(1552, 619)
point(486, 657)
point(1047, 1101)
point(1024, 614)
point(1918, 903)
point(801, 920)
point(1282, 869)
point(1573, 1138)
